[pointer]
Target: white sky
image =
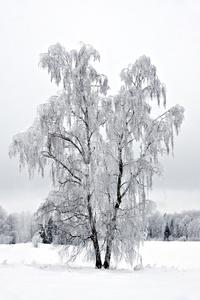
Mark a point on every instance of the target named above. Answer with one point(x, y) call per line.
point(168, 31)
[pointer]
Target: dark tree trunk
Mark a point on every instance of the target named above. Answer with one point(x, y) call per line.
point(112, 226)
point(98, 263)
point(109, 240)
point(94, 236)
point(108, 254)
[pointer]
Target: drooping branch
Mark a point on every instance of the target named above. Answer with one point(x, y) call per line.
point(48, 154)
point(63, 137)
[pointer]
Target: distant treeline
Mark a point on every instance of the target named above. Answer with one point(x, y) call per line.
point(16, 227)
point(24, 227)
point(183, 226)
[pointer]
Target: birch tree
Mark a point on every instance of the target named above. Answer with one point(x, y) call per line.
point(66, 132)
point(135, 141)
point(102, 151)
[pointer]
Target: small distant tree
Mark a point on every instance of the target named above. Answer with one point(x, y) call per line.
point(26, 226)
point(167, 233)
point(156, 226)
point(12, 223)
point(47, 232)
point(13, 237)
point(194, 230)
point(4, 229)
point(102, 151)
point(177, 228)
point(50, 229)
point(171, 226)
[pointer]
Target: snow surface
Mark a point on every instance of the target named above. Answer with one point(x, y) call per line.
point(171, 271)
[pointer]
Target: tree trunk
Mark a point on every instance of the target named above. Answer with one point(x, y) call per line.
point(94, 236)
point(98, 263)
point(109, 240)
point(106, 263)
point(113, 222)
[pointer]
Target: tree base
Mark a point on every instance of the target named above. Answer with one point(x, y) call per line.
point(106, 265)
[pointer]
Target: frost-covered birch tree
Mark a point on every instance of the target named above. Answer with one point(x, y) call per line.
point(66, 134)
point(102, 151)
point(135, 141)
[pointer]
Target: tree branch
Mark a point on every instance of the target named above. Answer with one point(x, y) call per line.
point(50, 155)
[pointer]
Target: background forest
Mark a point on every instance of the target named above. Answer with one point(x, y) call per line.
point(25, 227)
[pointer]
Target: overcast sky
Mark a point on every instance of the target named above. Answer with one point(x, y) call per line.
point(168, 31)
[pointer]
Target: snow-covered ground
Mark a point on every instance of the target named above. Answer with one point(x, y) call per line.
point(171, 272)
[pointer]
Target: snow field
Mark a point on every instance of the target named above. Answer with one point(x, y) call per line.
point(171, 272)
